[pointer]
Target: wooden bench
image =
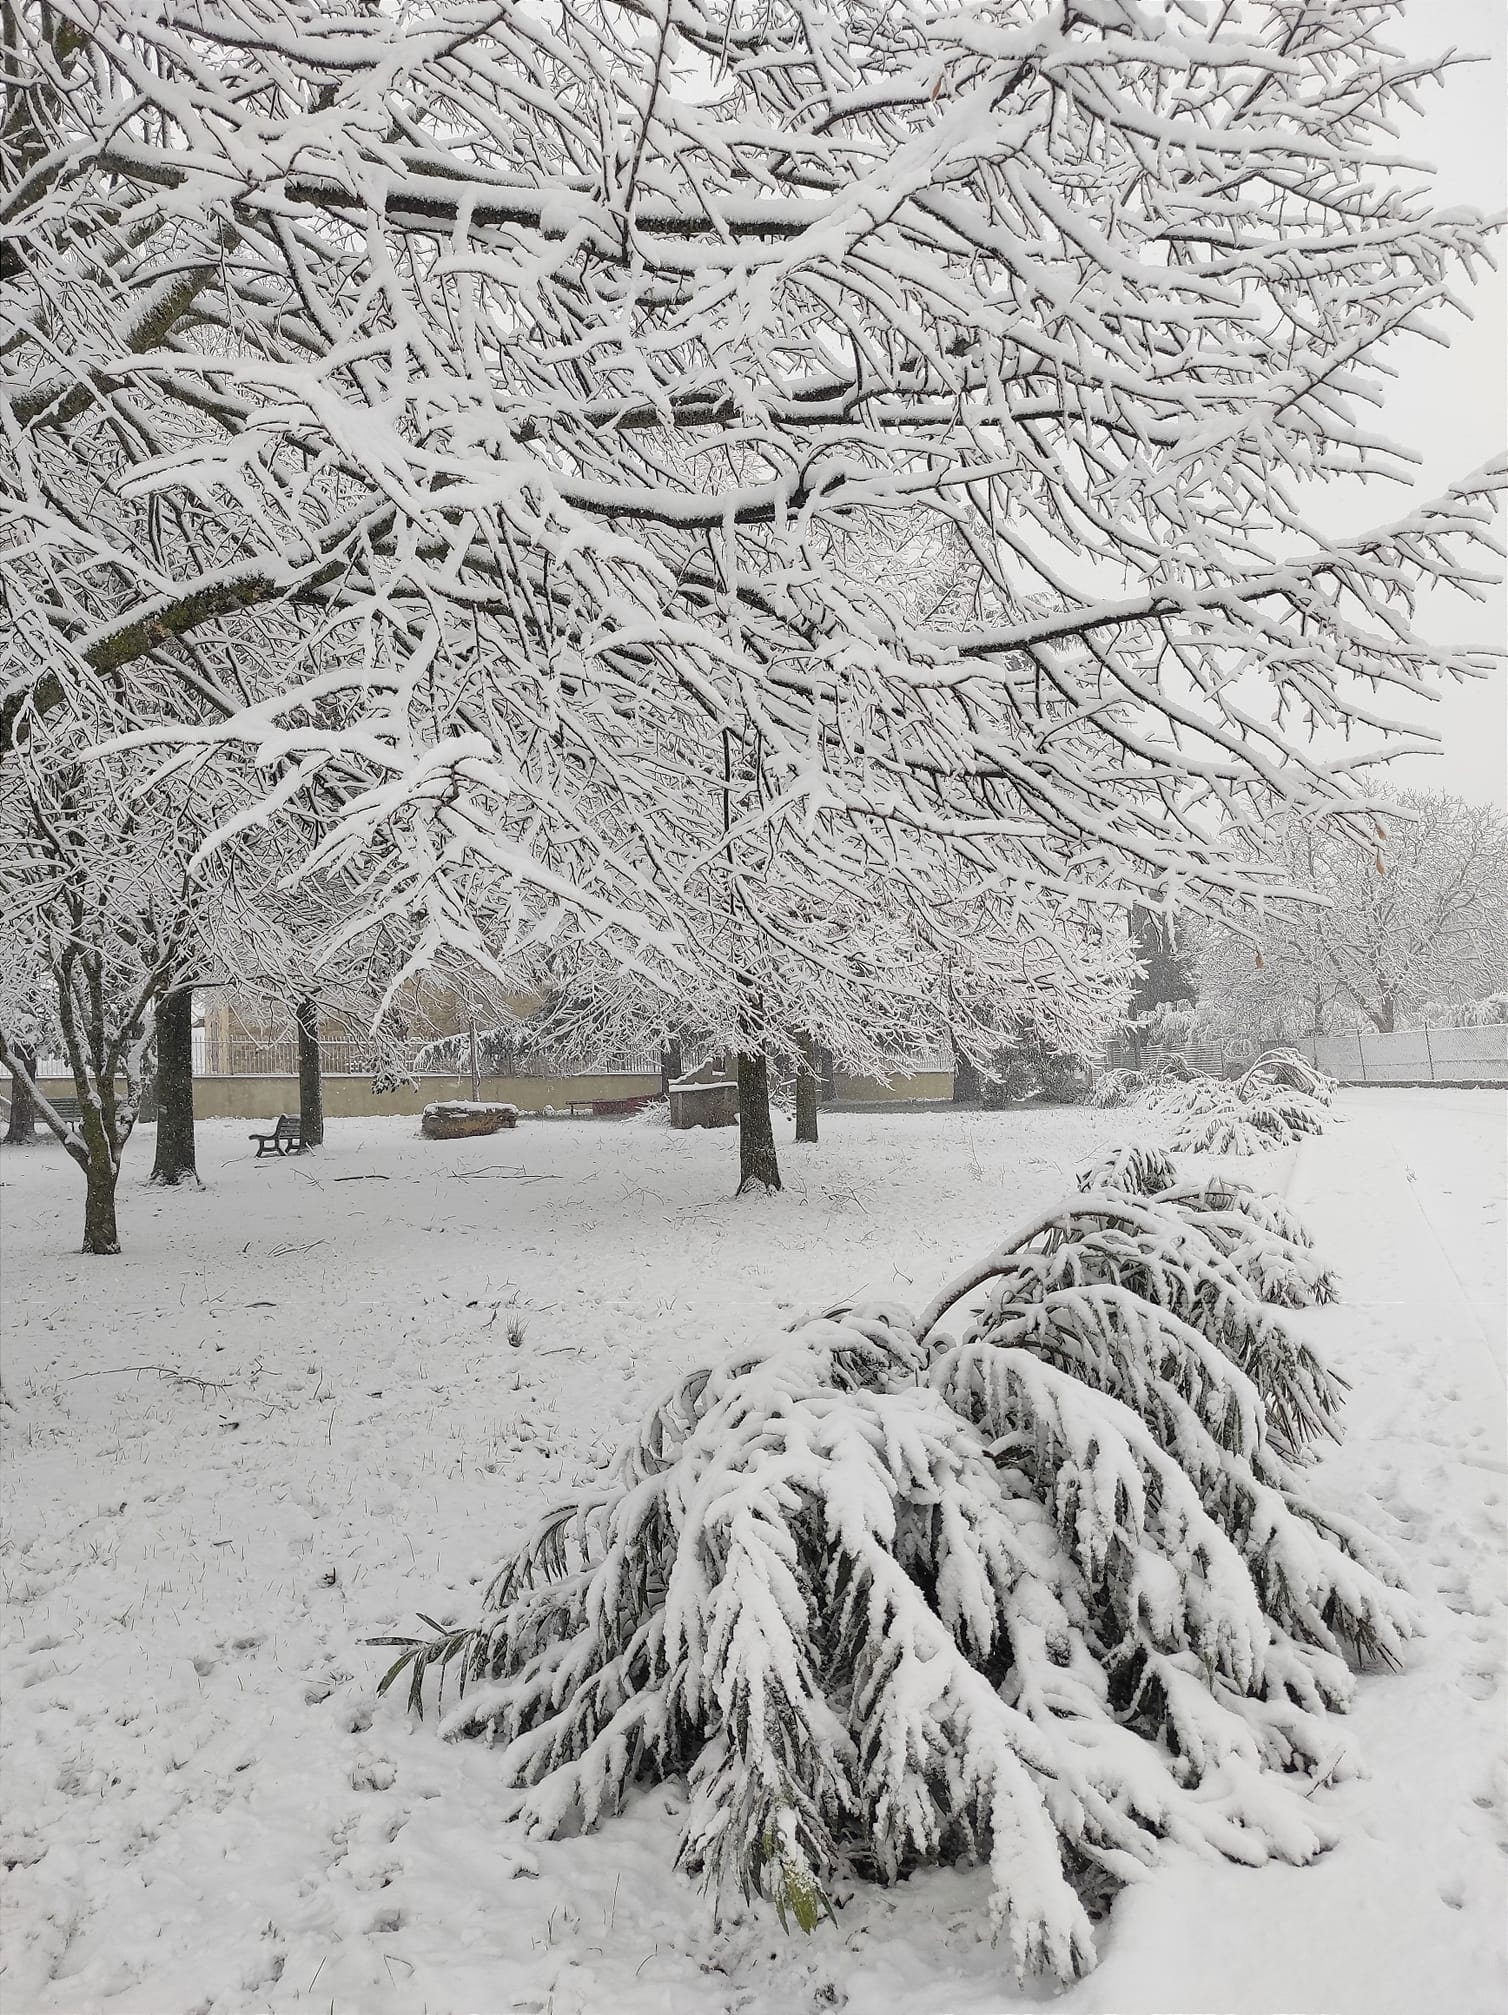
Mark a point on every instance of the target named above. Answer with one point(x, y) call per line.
point(284, 1138)
point(67, 1110)
point(610, 1108)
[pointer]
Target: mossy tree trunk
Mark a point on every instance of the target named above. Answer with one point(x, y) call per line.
point(101, 1173)
point(100, 1055)
point(807, 1088)
point(174, 1162)
point(22, 1130)
point(311, 1092)
point(756, 1136)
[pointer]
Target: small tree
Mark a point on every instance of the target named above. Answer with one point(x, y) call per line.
point(96, 886)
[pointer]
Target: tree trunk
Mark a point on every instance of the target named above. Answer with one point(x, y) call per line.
point(967, 1088)
point(100, 1234)
point(756, 1136)
point(22, 1130)
point(671, 1067)
point(175, 1090)
point(476, 1076)
point(311, 1093)
point(806, 1091)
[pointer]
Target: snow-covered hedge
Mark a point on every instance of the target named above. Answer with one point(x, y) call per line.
point(1048, 1593)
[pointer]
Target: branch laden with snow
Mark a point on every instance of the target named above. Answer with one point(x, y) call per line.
point(484, 417)
point(1048, 1596)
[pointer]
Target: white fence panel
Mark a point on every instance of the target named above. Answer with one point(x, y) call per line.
point(1415, 1056)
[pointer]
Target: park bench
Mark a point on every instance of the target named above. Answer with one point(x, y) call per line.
point(284, 1138)
point(67, 1110)
point(609, 1108)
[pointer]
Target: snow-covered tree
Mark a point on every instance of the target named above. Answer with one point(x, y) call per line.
point(28, 1014)
point(1045, 1594)
point(100, 906)
point(782, 957)
point(477, 410)
point(1418, 912)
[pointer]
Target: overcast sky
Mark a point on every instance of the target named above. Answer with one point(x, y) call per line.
point(1453, 405)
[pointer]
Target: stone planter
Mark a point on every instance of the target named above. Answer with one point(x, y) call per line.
point(459, 1119)
point(708, 1097)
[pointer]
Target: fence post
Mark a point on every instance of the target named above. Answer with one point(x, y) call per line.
point(1362, 1054)
point(1429, 1051)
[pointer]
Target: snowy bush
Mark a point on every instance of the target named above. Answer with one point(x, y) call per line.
point(1489, 1012)
point(1287, 1069)
point(1117, 1088)
point(1048, 1595)
point(1063, 1080)
point(1013, 1080)
point(1137, 1167)
point(1211, 1116)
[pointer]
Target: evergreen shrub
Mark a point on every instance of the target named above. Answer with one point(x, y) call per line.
point(1052, 1591)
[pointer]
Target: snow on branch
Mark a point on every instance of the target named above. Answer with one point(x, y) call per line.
point(478, 419)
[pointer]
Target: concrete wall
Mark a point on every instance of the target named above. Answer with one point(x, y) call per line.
point(353, 1097)
point(931, 1084)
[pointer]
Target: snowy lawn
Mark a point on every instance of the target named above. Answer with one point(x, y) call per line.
point(291, 1417)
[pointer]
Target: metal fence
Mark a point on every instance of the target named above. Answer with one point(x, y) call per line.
point(1408, 1056)
point(1414, 1056)
point(1213, 1059)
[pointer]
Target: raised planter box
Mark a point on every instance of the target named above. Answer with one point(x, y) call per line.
point(708, 1097)
point(460, 1119)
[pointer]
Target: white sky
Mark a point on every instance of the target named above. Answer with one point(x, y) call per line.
point(1452, 405)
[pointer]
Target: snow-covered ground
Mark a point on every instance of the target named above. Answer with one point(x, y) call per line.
point(290, 1417)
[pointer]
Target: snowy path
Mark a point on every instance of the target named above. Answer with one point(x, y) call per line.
point(205, 1806)
point(1408, 1914)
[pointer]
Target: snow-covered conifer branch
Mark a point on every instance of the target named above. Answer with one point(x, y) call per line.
point(1047, 1596)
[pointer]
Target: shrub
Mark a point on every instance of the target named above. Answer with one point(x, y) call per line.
point(1117, 1088)
point(1141, 1169)
point(1047, 1595)
point(1014, 1079)
point(1063, 1080)
point(1286, 1070)
point(1211, 1116)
